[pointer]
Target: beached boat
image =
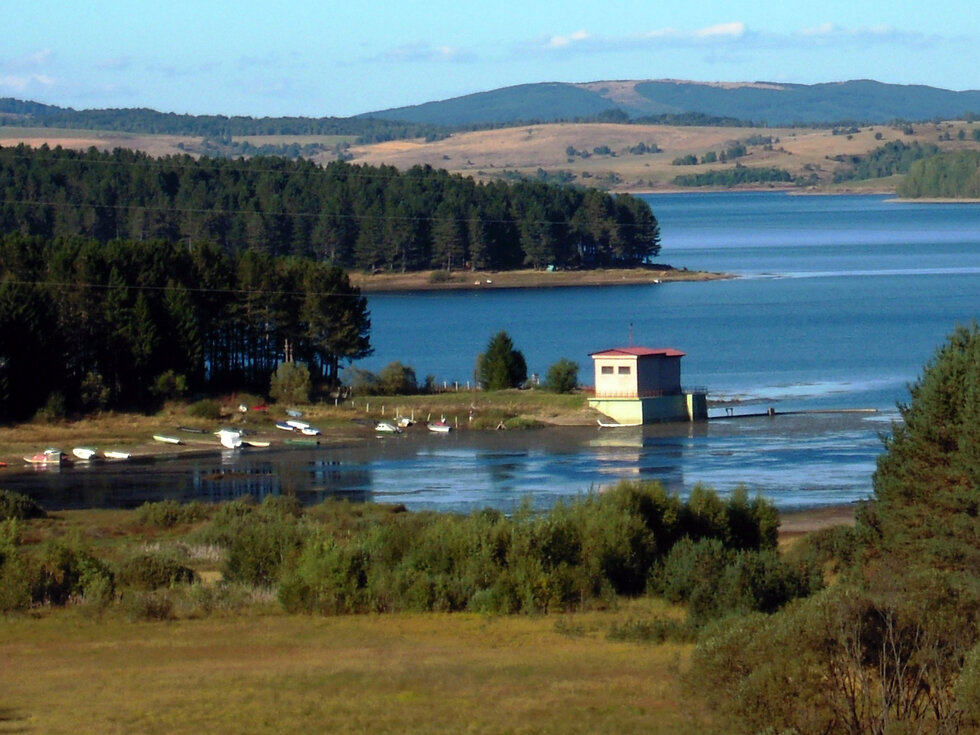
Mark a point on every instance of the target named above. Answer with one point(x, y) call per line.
point(304, 441)
point(285, 426)
point(310, 431)
point(49, 457)
point(404, 422)
point(386, 427)
point(86, 454)
point(297, 424)
point(255, 443)
point(441, 426)
point(116, 454)
point(167, 439)
point(229, 438)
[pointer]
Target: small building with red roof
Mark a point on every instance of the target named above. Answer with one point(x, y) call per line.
point(642, 385)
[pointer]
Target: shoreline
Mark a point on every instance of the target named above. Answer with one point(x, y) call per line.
point(527, 278)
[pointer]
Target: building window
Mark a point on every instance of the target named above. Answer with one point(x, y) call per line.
point(607, 370)
point(624, 369)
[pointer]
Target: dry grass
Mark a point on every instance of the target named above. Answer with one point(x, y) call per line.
point(486, 153)
point(64, 673)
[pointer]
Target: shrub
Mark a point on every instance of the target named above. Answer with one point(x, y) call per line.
point(152, 571)
point(169, 513)
point(260, 549)
point(397, 379)
point(205, 409)
point(63, 572)
point(19, 506)
point(290, 383)
point(657, 630)
point(361, 382)
point(149, 605)
point(169, 385)
point(562, 376)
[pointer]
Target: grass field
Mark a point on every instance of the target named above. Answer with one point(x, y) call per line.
point(486, 154)
point(65, 672)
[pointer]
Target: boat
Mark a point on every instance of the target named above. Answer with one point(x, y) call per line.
point(305, 441)
point(296, 424)
point(49, 457)
point(293, 413)
point(616, 424)
point(167, 439)
point(229, 438)
point(86, 454)
point(441, 426)
point(115, 454)
point(386, 427)
point(404, 422)
point(284, 426)
point(255, 443)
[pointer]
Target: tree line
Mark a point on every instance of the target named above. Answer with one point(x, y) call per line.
point(87, 325)
point(947, 175)
point(354, 216)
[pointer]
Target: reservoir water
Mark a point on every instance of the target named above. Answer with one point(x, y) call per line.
point(837, 303)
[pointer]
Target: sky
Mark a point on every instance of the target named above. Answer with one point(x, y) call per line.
point(327, 58)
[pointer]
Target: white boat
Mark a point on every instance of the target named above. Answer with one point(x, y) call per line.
point(229, 438)
point(386, 427)
point(310, 431)
point(616, 424)
point(255, 443)
point(167, 439)
point(114, 454)
point(285, 426)
point(296, 424)
point(441, 426)
point(85, 454)
point(48, 457)
point(404, 422)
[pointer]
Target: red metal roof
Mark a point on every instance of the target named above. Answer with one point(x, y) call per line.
point(638, 352)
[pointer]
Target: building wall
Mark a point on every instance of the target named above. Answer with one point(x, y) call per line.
point(657, 373)
point(619, 378)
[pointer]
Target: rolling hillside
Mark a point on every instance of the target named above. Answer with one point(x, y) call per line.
point(764, 103)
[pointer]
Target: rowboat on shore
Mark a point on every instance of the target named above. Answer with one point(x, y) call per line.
point(616, 424)
point(386, 427)
point(229, 438)
point(86, 454)
point(116, 454)
point(49, 457)
point(167, 439)
point(441, 426)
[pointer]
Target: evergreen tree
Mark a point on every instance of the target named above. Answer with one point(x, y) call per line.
point(501, 366)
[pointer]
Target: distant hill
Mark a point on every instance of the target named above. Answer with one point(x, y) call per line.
point(767, 103)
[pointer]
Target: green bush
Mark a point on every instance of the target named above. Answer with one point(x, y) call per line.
point(261, 546)
point(290, 383)
point(397, 379)
point(562, 376)
point(149, 605)
point(149, 571)
point(19, 506)
point(169, 513)
point(501, 366)
point(63, 572)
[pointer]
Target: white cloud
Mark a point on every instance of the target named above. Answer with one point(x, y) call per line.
point(726, 30)
point(563, 41)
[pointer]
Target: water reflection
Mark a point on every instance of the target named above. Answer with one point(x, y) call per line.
point(795, 461)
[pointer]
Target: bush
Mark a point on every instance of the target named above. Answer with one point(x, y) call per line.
point(170, 513)
point(149, 605)
point(205, 409)
point(290, 383)
point(19, 506)
point(63, 572)
point(397, 379)
point(262, 544)
point(562, 376)
point(153, 571)
point(169, 385)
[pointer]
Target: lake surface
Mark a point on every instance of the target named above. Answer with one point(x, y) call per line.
point(838, 304)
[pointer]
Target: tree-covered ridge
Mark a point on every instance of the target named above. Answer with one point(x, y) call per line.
point(355, 216)
point(948, 175)
point(144, 120)
point(90, 325)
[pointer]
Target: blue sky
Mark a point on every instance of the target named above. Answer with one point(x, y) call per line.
point(342, 58)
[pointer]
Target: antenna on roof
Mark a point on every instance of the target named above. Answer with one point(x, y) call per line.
point(631, 334)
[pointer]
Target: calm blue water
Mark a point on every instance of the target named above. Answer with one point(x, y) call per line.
point(838, 303)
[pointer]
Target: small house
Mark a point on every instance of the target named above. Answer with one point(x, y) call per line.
point(642, 385)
